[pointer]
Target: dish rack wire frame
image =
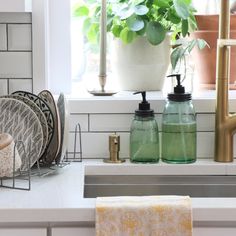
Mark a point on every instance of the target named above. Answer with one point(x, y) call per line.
point(24, 177)
point(77, 155)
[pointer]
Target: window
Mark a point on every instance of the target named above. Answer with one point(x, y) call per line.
point(54, 36)
point(85, 60)
point(51, 45)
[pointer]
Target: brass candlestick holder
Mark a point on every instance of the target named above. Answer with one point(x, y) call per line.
point(102, 63)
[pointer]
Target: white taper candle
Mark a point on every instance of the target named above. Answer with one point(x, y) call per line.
point(103, 39)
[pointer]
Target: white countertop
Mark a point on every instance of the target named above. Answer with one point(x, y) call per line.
point(59, 197)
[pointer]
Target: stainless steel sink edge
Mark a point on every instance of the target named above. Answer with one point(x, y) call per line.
point(139, 185)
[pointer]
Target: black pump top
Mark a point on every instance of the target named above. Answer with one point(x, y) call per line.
point(179, 94)
point(144, 107)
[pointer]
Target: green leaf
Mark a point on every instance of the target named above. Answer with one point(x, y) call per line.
point(176, 55)
point(173, 17)
point(155, 32)
point(137, 2)
point(143, 30)
point(125, 13)
point(90, 2)
point(86, 25)
point(182, 8)
point(140, 10)
point(161, 11)
point(135, 23)
point(201, 43)
point(184, 28)
point(93, 33)
point(109, 23)
point(191, 45)
point(188, 2)
point(116, 29)
point(112, 1)
point(81, 11)
point(162, 3)
point(192, 23)
point(97, 12)
point(127, 36)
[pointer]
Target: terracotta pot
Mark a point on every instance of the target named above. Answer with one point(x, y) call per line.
point(205, 60)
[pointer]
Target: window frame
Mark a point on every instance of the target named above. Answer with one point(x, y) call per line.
point(51, 46)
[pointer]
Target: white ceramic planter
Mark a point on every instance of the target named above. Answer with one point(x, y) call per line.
point(140, 65)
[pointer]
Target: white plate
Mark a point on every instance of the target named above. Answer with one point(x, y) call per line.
point(17, 119)
point(52, 150)
point(44, 108)
point(39, 114)
point(64, 119)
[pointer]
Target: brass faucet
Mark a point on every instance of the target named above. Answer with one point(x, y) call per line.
point(225, 126)
point(114, 148)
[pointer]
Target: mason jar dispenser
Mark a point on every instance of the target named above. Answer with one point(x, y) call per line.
point(179, 136)
point(144, 136)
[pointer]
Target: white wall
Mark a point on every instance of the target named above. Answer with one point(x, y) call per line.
point(15, 52)
point(12, 5)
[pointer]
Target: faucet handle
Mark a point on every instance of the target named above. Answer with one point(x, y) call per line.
point(114, 148)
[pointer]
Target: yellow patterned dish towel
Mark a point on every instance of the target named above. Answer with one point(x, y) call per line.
point(144, 216)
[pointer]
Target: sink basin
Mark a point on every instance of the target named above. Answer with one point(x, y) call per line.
point(137, 185)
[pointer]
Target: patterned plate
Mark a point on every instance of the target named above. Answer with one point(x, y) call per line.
point(44, 108)
point(64, 120)
point(53, 148)
point(39, 114)
point(17, 119)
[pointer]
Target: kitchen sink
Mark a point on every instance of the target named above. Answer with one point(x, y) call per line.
point(137, 185)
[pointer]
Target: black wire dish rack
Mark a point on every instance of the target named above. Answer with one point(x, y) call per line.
point(22, 179)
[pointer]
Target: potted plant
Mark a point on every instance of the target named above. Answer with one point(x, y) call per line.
point(205, 61)
point(207, 18)
point(142, 30)
point(181, 54)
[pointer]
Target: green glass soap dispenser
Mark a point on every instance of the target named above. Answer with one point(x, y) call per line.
point(144, 137)
point(179, 127)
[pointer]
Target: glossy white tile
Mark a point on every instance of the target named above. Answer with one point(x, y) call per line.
point(110, 122)
point(3, 37)
point(15, 17)
point(94, 145)
point(15, 65)
point(205, 122)
point(19, 37)
point(20, 84)
point(3, 87)
point(82, 119)
point(205, 144)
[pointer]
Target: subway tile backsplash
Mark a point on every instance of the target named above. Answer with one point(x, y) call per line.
point(15, 52)
point(96, 129)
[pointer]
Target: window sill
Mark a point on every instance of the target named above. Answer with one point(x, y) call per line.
point(126, 102)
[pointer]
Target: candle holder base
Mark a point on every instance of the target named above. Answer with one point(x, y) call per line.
point(102, 92)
